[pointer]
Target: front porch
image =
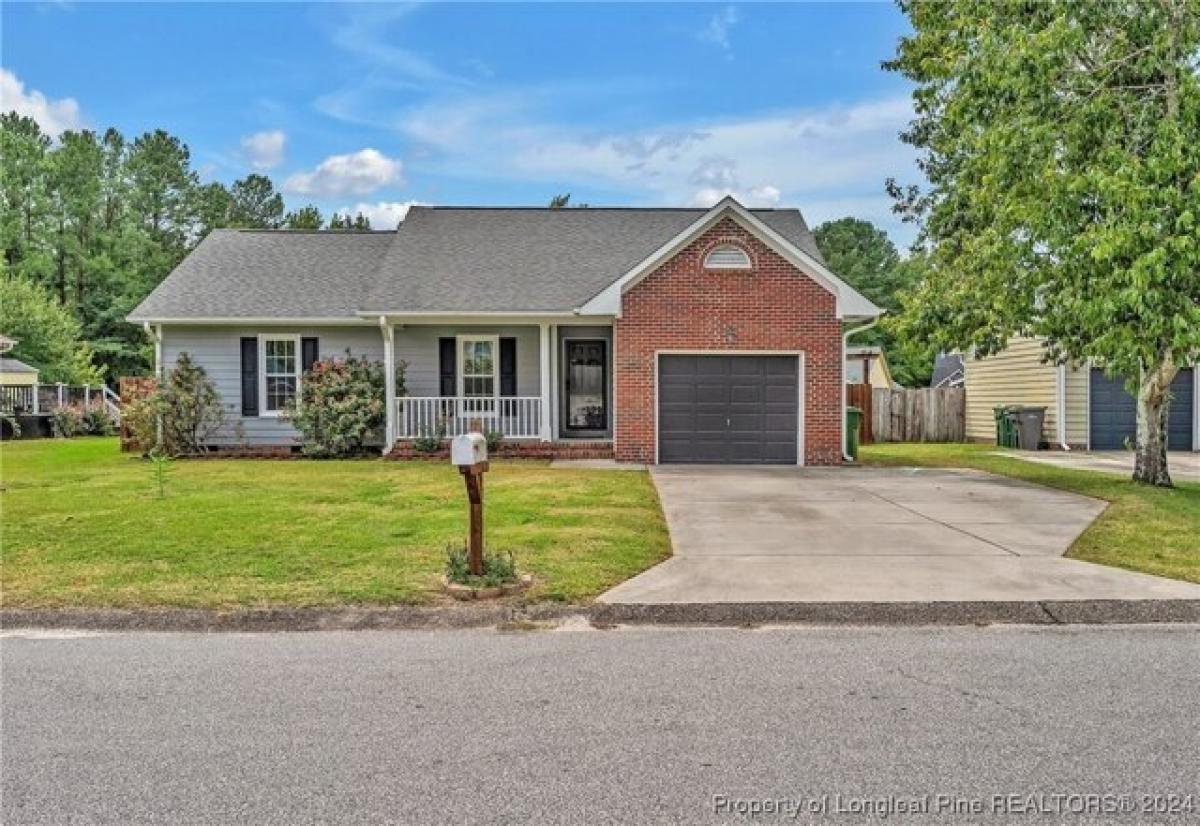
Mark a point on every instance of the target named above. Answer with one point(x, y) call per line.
point(547, 383)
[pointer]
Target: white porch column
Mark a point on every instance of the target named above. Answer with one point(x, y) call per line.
point(556, 385)
point(389, 383)
point(544, 372)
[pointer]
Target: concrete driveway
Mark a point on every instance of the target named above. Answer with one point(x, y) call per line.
point(1184, 465)
point(743, 534)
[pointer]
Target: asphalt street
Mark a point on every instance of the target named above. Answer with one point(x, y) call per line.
point(581, 725)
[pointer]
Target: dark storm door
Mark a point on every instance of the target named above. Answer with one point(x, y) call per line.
point(728, 409)
point(586, 378)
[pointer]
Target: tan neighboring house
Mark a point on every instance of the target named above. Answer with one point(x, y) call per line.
point(16, 373)
point(868, 365)
point(1085, 409)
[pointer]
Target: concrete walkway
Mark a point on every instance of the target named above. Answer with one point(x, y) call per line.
point(1184, 466)
point(744, 534)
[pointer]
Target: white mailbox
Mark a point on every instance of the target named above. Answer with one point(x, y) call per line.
point(468, 449)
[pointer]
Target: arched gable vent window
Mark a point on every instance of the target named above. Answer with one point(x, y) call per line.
point(727, 257)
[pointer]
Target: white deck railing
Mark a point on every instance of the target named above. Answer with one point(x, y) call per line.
point(517, 417)
point(39, 399)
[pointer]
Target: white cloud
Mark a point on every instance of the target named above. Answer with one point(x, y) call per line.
point(54, 116)
point(805, 158)
point(382, 214)
point(357, 173)
point(716, 31)
point(478, 130)
point(264, 150)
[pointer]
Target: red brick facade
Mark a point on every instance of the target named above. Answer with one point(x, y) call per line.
point(771, 307)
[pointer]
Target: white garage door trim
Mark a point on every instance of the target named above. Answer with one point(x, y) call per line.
point(799, 355)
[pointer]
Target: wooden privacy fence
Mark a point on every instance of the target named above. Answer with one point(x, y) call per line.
point(924, 414)
point(859, 395)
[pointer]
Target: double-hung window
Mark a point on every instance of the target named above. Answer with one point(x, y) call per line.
point(279, 372)
point(479, 361)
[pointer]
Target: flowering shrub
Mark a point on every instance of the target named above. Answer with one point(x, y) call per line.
point(96, 421)
point(67, 421)
point(341, 402)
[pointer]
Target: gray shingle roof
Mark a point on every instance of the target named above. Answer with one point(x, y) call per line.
point(514, 259)
point(8, 364)
point(945, 366)
point(270, 274)
point(469, 259)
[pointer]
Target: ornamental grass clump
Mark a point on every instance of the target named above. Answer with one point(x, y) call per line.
point(499, 568)
point(341, 403)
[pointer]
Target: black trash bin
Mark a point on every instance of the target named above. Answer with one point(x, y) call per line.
point(1029, 426)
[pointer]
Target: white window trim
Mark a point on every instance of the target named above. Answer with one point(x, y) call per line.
point(709, 265)
point(263, 338)
point(460, 374)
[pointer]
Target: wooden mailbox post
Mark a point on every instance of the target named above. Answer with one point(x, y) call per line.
point(469, 453)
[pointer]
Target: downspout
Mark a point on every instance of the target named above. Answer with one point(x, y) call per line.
point(1060, 408)
point(389, 384)
point(845, 343)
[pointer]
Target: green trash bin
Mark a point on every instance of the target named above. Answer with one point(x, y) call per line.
point(1006, 425)
point(853, 423)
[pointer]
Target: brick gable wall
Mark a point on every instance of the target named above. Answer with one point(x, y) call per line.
point(682, 306)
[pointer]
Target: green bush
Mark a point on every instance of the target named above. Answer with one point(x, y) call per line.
point(498, 568)
point(341, 402)
point(96, 421)
point(192, 412)
point(67, 421)
point(189, 407)
point(430, 440)
point(494, 438)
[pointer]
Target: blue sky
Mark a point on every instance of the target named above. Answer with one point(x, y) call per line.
point(378, 106)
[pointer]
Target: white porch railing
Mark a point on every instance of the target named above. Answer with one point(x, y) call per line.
point(517, 417)
point(38, 399)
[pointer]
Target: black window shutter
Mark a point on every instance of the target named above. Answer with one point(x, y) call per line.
point(249, 376)
point(308, 353)
point(448, 381)
point(508, 367)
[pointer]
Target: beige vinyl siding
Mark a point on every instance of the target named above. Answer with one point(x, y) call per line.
point(1016, 375)
point(22, 379)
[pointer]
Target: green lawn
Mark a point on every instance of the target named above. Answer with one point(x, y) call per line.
point(1144, 529)
point(82, 526)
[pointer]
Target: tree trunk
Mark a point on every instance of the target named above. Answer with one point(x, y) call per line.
point(1153, 406)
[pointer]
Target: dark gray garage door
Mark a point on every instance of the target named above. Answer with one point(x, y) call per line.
point(727, 409)
point(1114, 412)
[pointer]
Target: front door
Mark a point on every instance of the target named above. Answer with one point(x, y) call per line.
point(586, 386)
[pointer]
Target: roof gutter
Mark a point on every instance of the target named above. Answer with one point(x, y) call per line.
point(845, 343)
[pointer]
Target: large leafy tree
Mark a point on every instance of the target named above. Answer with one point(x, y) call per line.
point(255, 204)
point(861, 253)
point(359, 222)
point(48, 336)
point(307, 217)
point(1060, 145)
point(99, 221)
point(25, 204)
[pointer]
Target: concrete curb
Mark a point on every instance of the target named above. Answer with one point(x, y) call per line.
point(255, 620)
point(1091, 612)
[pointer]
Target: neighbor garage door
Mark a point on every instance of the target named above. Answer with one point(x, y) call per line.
point(1114, 412)
point(728, 409)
